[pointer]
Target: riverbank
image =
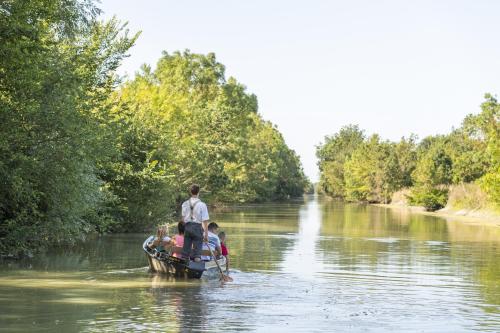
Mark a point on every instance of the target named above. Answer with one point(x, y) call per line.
point(481, 216)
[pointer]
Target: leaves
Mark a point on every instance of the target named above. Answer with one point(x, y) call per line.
point(200, 128)
point(356, 168)
point(57, 66)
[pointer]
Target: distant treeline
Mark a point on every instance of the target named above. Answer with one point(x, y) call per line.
point(368, 169)
point(81, 154)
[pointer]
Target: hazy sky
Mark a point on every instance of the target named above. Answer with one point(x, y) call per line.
point(393, 67)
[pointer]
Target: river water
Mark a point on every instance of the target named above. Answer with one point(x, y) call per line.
point(311, 265)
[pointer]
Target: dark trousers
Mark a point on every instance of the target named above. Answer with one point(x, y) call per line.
point(193, 236)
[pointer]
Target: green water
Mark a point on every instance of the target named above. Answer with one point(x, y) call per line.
point(312, 265)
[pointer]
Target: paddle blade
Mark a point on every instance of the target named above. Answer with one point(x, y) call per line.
point(226, 278)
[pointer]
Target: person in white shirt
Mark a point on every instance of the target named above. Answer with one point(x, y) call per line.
point(195, 217)
point(213, 241)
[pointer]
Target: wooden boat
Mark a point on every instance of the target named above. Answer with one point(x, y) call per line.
point(165, 262)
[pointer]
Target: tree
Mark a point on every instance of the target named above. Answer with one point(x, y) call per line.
point(57, 66)
point(184, 122)
point(433, 172)
point(434, 166)
point(333, 154)
point(468, 155)
point(485, 127)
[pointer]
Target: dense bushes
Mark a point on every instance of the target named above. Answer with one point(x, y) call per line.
point(56, 68)
point(356, 168)
point(78, 155)
point(432, 198)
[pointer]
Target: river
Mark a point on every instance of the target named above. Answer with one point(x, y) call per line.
point(311, 265)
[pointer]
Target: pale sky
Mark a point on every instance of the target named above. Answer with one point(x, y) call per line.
point(392, 67)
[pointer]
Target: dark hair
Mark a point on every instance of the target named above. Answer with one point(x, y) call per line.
point(181, 228)
point(212, 226)
point(222, 234)
point(195, 189)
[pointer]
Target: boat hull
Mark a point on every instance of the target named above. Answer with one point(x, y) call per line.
point(161, 262)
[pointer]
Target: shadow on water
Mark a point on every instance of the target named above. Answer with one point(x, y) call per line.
point(312, 265)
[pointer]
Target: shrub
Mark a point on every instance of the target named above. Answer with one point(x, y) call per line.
point(490, 183)
point(431, 198)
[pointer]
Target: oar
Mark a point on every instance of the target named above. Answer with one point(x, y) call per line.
point(223, 277)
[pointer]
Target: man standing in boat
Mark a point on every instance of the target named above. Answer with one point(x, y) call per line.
point(195, 217)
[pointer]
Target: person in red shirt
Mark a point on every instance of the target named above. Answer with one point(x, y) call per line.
point(225, 253)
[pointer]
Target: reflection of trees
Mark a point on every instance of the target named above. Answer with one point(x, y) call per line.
point(488, 275)
point(119, 251)
point(182, 304)
point(483, 243)
point(40, 309)
point(355, 220)
point(257, 234)
point(357, 236)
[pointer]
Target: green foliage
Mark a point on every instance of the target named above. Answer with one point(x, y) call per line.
point(332, 156)
point(485, 127)
point(377, 169)
point(468, 155)
point(363, 180)
point(434, 165)
point(56, 64)
point(431, 198)
point(80, 156)
point(359, 169)
point(405, 153)
point(371, 170)
point(184, 123)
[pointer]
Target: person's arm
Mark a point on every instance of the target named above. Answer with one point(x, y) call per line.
point(205, 218)
point(167, 242)
point(218, 247)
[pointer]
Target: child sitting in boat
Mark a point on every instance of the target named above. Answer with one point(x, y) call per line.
point(162, 240)
point(178, 240)
point(213, 241)
point(225, 252)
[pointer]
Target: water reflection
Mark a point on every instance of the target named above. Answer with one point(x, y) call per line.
point(313, 265)
point(301, 260)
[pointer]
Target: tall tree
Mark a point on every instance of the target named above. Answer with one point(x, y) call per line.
point(333, 154)
point(57, 66)
point(185, 122)
point(486, 126)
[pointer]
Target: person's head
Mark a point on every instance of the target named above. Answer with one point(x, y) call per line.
point(213, 227)
point(222, 236)
point(162, 230)
point(194, 189)
point(180, 228)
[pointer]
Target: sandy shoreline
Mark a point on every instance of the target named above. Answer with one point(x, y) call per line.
point(466, 216)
